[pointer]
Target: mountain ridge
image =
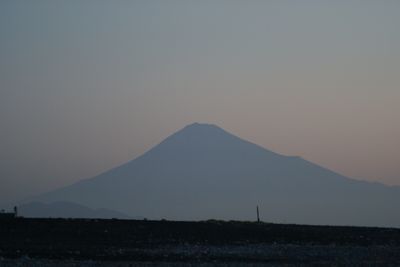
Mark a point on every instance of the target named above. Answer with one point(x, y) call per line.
point(63, 209)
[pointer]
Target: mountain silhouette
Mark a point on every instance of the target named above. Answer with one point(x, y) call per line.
point(61, 209)
point(204, 172)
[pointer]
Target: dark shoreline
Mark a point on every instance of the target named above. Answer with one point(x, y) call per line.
point(141, 241)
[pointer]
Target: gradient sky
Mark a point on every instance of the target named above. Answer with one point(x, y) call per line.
point(88, 85)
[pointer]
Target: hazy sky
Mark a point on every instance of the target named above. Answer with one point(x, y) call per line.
point(88, 85)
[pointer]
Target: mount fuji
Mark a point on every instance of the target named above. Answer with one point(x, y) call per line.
point(203, 172)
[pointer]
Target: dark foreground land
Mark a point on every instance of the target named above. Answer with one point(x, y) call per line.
point(79, 242)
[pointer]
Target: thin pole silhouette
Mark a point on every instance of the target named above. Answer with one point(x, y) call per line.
point(258, 215)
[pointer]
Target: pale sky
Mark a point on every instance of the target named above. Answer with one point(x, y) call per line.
point(88, 85)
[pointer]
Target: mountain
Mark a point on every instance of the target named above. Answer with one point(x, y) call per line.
point(204, 172)
point(62, 209)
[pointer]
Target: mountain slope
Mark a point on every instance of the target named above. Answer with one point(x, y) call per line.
point(203, 172)
point(66, 210)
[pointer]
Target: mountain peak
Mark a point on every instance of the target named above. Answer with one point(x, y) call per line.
point(200, 129)
point(198, 125)
point(206, 142)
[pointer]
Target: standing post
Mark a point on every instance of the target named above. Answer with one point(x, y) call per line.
point(258, 215)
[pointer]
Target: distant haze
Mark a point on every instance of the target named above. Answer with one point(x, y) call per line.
point(88, 85)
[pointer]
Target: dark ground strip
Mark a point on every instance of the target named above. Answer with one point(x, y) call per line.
point(195, 242)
